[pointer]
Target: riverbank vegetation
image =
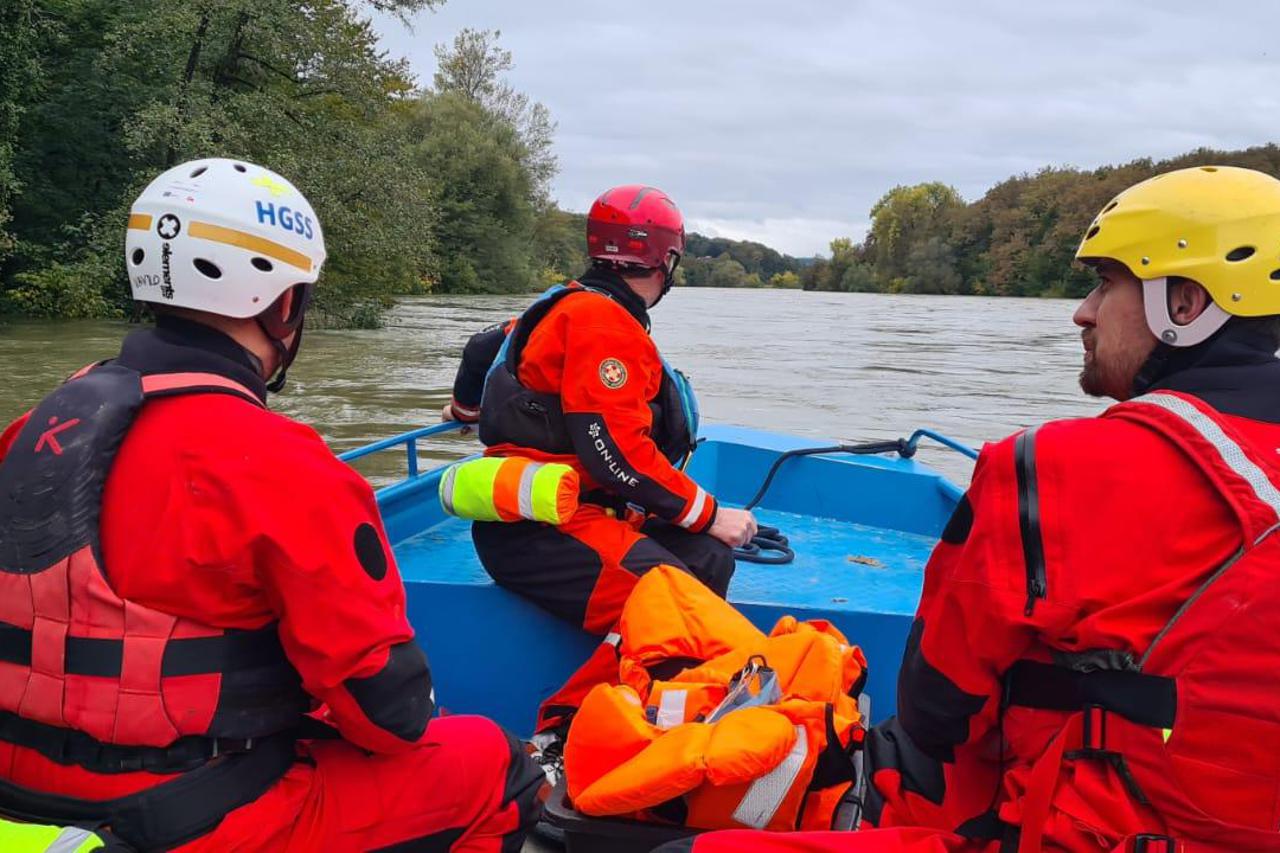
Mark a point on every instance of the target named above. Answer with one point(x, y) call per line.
point(422, 187)
point(1017, 240)
point(438, 187)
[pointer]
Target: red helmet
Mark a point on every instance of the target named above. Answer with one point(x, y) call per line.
point(636, 225)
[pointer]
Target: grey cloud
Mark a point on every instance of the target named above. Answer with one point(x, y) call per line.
point(776, 120)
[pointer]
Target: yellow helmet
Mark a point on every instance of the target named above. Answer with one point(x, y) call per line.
point(1216, 225)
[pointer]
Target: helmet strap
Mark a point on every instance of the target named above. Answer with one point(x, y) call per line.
point(1155, 302)
point(669, 277)
point(277, 329)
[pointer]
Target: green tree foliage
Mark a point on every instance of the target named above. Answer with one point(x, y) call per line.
point(133, 88)
point(1017, 240)
point(560, 245)
point(445, 188)
point(20, 72)
point(720, 262)
point(483, 196)
point(487, 150)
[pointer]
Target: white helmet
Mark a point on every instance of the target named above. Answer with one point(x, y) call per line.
point(221, 236)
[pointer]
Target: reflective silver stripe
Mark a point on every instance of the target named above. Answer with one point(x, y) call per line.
point(691, 517)
point(613, 638)
point(1232, 454)
point(446, 489)
point(766, 794)
point(69, 840)
point(671, 709)
point(525, 494)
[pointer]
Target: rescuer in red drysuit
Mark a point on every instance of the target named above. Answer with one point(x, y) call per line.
point(1095, 662)
point(184, 575)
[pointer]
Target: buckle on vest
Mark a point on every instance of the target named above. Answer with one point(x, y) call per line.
point(230, 746)
point(1093, 745)
point(1147, 843)
point(1093, 735)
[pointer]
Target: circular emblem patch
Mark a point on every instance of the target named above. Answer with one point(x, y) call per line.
point(612, 373)
point(168, 226)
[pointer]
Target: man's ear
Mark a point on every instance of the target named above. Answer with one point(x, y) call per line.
point(1187, 300)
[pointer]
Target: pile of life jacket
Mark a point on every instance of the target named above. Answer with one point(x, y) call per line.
point(712, 724)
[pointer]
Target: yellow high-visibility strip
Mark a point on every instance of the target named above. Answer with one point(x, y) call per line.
point(252, 242)
point(139, 221)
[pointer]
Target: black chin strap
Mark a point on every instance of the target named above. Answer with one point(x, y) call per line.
point(668, 281)
point(277, 329)
point(286, 356)
point(1153, 369)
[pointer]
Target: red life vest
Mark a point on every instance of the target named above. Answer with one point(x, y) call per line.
point(1191, 724)
point(90, 678)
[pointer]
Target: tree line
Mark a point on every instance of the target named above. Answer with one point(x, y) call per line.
point(1019, 239)
point(443, 187)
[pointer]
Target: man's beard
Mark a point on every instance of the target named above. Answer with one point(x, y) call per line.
point(1112, 377)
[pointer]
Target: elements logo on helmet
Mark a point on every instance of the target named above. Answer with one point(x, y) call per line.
point(166, 253)
point(169, 226)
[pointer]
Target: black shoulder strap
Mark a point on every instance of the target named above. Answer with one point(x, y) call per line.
point(52, 479)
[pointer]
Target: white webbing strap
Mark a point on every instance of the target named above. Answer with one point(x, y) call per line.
point(765, 796)
point(1233, 455)
point(671, 709)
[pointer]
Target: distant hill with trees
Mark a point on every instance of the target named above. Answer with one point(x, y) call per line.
point(1017, 240)
point(439, 187)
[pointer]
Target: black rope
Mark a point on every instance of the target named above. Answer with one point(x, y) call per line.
point(769, 546)
point(897, 445)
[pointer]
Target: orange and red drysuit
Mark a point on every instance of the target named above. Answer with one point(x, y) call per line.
point(578, 380)
point(1096, 656)
point(185, 576)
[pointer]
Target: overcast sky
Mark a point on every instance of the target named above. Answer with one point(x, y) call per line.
point(784, 121)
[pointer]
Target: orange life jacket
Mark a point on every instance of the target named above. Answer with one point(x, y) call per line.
point(644, 747)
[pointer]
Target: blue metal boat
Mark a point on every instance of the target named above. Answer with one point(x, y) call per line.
point(861, 526)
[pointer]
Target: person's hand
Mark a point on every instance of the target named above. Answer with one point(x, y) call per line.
point(448, 414)
point(733, 527)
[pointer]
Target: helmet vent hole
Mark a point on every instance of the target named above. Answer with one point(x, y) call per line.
point(207, 268)
point(1208, 168)
point(200, 171)
point(1110, 207)
point(1275, 275)
point(1240, 253)
point(137, 256)
point(262, 264)
point(1093, 232)
point(240, 167)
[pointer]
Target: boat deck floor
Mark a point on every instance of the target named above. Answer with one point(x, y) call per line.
point(839, 566)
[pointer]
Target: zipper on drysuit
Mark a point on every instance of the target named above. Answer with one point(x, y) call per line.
point(1024, 454)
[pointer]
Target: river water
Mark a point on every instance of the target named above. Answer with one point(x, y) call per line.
point(828, 365)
